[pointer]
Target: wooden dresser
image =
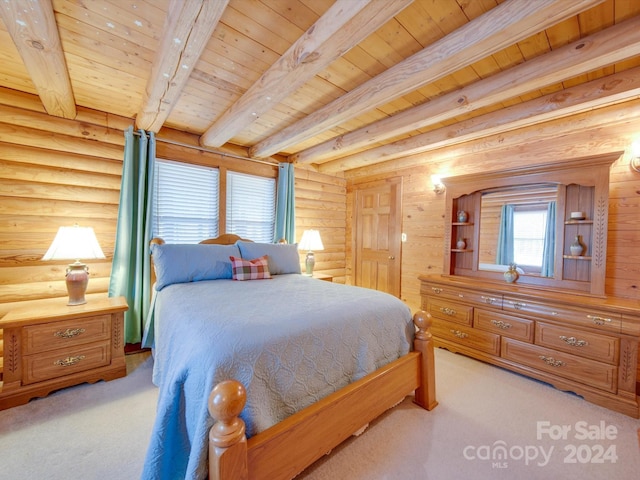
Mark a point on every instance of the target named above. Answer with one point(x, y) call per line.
point(54, 345)
point(576, 343)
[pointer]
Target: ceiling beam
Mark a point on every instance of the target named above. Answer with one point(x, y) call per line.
point(342, 27)
point(599, 93)
point(509, 22)
point(32, 26)
point(188, 28)
point(601, 49)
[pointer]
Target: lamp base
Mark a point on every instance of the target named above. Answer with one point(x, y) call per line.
point(309, 263)
point(77, 280)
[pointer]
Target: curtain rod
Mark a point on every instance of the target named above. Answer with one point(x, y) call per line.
point(204, 149)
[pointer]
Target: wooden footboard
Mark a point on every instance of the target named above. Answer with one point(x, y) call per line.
point(287, 448)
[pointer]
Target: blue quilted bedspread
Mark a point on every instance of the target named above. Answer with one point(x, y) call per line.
point(290, 340)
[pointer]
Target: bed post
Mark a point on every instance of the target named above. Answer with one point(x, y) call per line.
point(227, 439)
point(425, 394)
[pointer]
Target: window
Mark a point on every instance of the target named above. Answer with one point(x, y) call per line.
point(187, 198)
point(185, 202)
point(251, 204)
point(529, 226)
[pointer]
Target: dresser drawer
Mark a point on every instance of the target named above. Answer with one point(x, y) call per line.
point(451, 311)
point(582, 370)
point(509, 326)
point(58, 363)
point(467, 336)
point(451, 293)
point(604, 321)
point(67, 333)
point(586, 344)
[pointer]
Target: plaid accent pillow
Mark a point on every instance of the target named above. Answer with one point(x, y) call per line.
point(256, 269)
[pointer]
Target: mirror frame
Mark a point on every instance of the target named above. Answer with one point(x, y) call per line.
point(586, 171)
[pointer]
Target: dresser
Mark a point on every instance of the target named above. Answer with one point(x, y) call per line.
point(53, 345)
point(576, 343)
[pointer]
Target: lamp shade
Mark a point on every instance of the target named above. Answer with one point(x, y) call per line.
point(311, 241)
point(74, 243)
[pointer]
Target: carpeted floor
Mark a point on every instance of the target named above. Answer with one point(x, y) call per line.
point(490, 424)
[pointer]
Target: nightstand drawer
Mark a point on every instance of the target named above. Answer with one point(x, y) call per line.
point(68, 333)
point(586, 344)
point(450, 311)
point(65, 362)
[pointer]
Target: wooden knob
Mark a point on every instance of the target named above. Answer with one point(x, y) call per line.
point(226, 401)
point(423, 321)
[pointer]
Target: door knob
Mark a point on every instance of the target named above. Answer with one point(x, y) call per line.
point(391, 257)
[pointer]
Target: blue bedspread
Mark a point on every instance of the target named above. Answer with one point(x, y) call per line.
point(290, 340)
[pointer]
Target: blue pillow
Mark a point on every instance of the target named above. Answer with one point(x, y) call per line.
point(282, 257)
point(181, 263)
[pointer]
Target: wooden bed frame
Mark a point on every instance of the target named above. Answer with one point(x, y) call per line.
point(287, 448)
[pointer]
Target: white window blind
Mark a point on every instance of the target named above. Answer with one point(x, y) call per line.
point(251, 204)
point(185, 204)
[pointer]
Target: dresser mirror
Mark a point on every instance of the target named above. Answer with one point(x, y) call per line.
point(518, 226)
point(528, 218)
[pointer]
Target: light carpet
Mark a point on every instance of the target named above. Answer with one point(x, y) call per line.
point(490, 424)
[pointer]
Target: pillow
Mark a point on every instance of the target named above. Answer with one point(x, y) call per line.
point(283, 258)
point(181, 263)
point(256, 269)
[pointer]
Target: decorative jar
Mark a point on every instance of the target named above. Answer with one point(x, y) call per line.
point(511, 275)
point(461, 244)
point(462, 216)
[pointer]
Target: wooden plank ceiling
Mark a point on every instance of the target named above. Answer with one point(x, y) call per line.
point(339, 84)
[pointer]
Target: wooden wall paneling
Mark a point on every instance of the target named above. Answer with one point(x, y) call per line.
point(321, 205)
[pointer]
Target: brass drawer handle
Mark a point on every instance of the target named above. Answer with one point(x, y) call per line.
point(573, 341)
point(552, 361)
point(489, 300)
point(501, 324)
point(599, 320)
point(436, 290)
point(69, 333)
point(518, 305)
point(448, 311)
point(459, 334)
point(69, 361)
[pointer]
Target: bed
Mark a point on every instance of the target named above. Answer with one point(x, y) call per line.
point(262, 370)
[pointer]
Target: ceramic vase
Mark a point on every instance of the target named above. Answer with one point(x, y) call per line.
point(462, 216)
point(577, 247)
point(461, 244)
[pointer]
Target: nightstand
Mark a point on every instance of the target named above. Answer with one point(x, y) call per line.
point(54, 345)
point(323, 276)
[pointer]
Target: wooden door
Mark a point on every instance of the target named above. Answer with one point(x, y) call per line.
point(378, 232)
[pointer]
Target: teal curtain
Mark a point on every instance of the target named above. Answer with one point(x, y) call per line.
point(285, 204)
point(548, 251)
point(131, 269)
point(504, 253)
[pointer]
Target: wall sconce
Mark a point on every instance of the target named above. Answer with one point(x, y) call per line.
point(438, 186)
point(75, 243)
point(635, 156)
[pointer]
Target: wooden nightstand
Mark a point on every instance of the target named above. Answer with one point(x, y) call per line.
point(323, 276)
point(54, 345)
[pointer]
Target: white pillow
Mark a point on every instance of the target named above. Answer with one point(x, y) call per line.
point(282, 257)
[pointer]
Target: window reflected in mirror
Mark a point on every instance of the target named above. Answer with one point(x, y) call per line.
point(518, 226)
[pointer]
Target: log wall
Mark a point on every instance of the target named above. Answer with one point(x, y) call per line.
point(56, 172)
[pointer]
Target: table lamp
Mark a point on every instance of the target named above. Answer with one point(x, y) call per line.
point(75, 243)
point(310, 241)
